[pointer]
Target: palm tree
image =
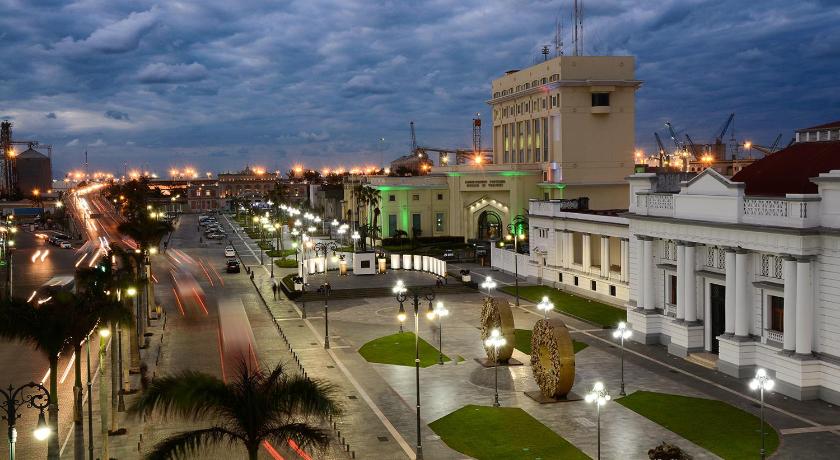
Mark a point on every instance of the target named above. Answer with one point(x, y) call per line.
point(47, 327)
point(147, 233)
point(255, 406)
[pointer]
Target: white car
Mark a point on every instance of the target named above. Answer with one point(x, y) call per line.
point(230, 252)
point(65, 245)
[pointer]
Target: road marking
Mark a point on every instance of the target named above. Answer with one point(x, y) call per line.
point(809, 429)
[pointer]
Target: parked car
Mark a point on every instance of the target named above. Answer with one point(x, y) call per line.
point(232, 266)
point(216, 236)
point(65, 245)
point(230, 252)
point(448, 254)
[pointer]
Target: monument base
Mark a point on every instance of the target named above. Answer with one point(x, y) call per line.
point(543, 399)
point(487, 362)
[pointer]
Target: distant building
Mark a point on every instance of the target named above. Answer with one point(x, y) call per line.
point(34, 171)
point(248, 184)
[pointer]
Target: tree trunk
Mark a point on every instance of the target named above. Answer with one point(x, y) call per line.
point(253, 452)
point(104, 402)
point(78, 412)
point(52, 445)
point(115, 381)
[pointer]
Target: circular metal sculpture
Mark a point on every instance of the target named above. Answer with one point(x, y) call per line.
point(496, 314)
point(552, 358)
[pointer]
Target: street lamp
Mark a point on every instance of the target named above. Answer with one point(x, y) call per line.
point(355, 237)
point(515, 232)
point(403, 294)
point(599, 396)
point(32, 395)
point(273, 231)
point(622, 332)
point(762, 382)
point(333, 224)
point(496, 341)
point(440, 311)
point(488, 284)
point(323, 249)
point(546, 306)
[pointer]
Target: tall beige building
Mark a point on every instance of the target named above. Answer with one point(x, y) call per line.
point(574, 116)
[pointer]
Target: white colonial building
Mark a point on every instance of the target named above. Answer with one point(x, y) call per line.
point(745, 272)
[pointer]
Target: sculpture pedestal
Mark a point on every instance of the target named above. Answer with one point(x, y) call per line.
point(487, 362)
point(543, 399)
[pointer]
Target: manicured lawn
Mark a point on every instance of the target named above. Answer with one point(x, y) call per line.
point(286, 263)
point(399, 349)
point(283, 253)
point(523, 342)
point(589, 310)
point(727, 431)
point(502, 433)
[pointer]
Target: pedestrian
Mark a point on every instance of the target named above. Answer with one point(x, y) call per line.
point(252, 275)
point(274, 289)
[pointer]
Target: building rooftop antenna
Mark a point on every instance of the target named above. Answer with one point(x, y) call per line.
point(545, 52)
point(577, 16)
point(558, 37)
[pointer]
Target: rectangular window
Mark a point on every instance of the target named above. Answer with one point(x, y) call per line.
point(560, 276)
point(672, 292)
point(612, 290)
point(777, 313)
point(545, 138)
point(415, 197)
point(440, 196)
point(392, 198)
point(600, 99)
point(392, 224)
point(439, 224)
point(593, 285)
point(577, 248)
point(576, 281)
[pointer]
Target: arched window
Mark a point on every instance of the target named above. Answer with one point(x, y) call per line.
point(489, 226)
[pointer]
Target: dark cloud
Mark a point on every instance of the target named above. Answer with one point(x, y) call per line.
point(219, 84)
point(116, 115)
point(50, 115)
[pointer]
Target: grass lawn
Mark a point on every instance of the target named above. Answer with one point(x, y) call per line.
point(283, 253)
point(725, 430)
point(501, 432)
point(286, 263)
point(595, 312)
point(523, 342)
point(399, 349)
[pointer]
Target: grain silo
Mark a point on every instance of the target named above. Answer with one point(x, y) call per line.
point(34, 172)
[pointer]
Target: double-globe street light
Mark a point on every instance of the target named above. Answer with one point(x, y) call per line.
point(545, 306)
point(440, 311)
point(403, 294)
point(32, 395)
point(762, 382)
point(599, 396)
point(323, 248)
point(516, 232)
point(488, 284)
point(622, 332)
point(496, 341)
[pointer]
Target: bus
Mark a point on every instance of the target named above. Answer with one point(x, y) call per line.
point(62, 283)
point(236, 339)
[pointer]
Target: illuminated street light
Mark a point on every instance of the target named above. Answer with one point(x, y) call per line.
point(496, 341)
point(488, 284)
point(762, 382)
point(546, 306)
point(355, 237)
point(131, 292)
point(440, 311)
point(622, 332)
point(599, 396)
point(31, 395)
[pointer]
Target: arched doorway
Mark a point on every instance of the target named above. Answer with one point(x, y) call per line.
point(489, 226)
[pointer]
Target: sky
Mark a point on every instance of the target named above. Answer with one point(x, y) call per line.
point(218, 84)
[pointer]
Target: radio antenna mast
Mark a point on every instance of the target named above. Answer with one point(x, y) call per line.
point(558, 37)
point(577, 15)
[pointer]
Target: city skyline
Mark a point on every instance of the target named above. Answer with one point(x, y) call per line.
point(218, 87)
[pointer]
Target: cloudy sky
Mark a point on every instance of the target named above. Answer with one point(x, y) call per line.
point(217, 83)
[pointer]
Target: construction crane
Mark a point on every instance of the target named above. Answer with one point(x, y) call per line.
point(679, 145)
point(774, 147)
point(692, 146)
point(722, 130)
point(661, 149)
point(413, 138)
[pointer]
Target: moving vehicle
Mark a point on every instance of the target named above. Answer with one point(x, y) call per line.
point(236, 338)
point(65, 245)
point(448, 254)
point(232, 266)
point(230, 252)
point(56, 284)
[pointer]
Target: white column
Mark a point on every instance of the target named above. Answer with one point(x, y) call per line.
point(625, 257)
point(647, 286)
point(570, 248)
point(605, 256)
point(789, 321)
point(729, 306)
point(804, 307)
point(559, 249)
point(743, 293)
point(680, 280)
point(586, 260)
point(690, 284)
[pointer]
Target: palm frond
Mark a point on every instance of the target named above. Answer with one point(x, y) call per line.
point(303, 396)
point(190, 395)
point(190, 442)
point(304, 435)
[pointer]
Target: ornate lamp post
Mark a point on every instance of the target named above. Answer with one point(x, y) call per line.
point(32, 395)
point(496, 341)
point(622, 332)
point(515, 232)
point(488, 284)
point(440, 312)
point(273, 230)
point(333, 225)
point(599, 396)
point(545, 306)
point(403, 294)
point(355, 237)
point(762, 382)
point(323, 248)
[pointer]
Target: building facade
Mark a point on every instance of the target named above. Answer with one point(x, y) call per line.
point(743, 272)
point(574, 117)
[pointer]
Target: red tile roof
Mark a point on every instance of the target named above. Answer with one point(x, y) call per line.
point(833, 124)
point(790, 170)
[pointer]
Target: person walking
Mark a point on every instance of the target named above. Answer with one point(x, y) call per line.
point(274, 288)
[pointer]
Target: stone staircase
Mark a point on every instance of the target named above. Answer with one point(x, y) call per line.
point(705, 359)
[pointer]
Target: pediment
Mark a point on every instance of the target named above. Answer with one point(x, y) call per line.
point(711, 183)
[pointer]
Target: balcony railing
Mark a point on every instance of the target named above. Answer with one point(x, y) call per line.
point(775, 336)
point(790, 212)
